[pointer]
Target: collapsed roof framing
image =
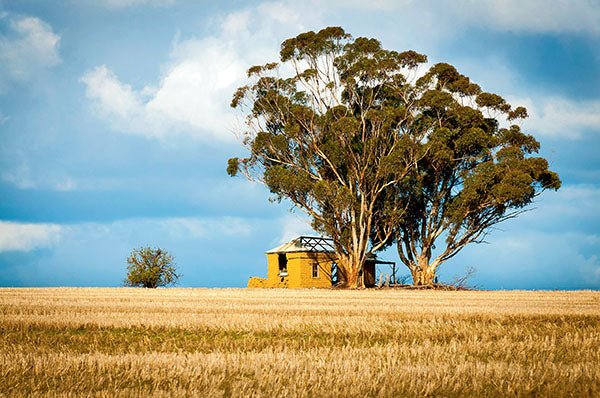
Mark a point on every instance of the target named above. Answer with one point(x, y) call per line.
point(316, 243)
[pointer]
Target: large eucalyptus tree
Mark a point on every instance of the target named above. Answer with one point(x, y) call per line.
point(475, 169)
point(330, 135)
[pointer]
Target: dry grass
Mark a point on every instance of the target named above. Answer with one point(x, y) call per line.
point(234, 342)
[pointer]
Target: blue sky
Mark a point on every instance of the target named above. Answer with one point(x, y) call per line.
point(115, 131)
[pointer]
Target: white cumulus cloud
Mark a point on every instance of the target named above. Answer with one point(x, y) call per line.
point(561, 117)
point(28, 46)
point(25, 237)
point(197, 87)
point(119, 103)
point(192, 97)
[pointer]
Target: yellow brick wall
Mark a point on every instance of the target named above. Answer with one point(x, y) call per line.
point(256, 282)
point(273, 267)
point(273, 280)
point(299, 268)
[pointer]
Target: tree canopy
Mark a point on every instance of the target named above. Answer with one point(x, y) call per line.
point(349, 133)
point(474, 173)
point(151, 268)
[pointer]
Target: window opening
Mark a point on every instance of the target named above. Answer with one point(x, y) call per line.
point(282, 265)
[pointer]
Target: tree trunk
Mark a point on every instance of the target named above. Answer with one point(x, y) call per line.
point(423, 274)
point(423, 277)
point(349, 272)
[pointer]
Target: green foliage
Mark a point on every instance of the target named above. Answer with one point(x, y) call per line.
point(233, 166)
point(151, 268)
point(374, 156)
point(473, 175)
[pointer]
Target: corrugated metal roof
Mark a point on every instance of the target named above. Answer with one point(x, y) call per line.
point(304, 244)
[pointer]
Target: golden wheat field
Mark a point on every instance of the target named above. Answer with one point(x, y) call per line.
point(293, 343)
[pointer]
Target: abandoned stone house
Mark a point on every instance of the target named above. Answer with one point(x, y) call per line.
point(306, 262)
